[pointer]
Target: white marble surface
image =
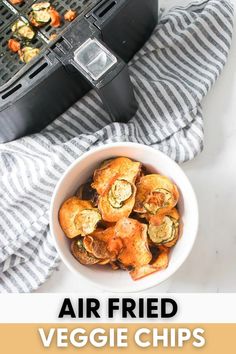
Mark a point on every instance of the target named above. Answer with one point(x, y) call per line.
point(211, 266)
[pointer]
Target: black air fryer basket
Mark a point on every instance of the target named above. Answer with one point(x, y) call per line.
point(90, 52)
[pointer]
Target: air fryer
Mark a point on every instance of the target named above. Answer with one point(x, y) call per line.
point(90, 52)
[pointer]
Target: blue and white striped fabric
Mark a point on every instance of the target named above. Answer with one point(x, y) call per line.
point(171, 75)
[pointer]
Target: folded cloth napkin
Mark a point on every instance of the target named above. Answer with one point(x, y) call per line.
point(171, 75)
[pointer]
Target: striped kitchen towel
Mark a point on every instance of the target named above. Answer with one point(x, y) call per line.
point(171, 75)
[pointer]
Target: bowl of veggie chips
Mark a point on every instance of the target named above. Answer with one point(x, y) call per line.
point(124, 216)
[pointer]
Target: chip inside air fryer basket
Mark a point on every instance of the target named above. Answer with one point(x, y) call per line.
point(62, 8)
point(10, 12)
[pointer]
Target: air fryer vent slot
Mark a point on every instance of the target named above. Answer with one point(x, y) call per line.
point(23, 5)
point(13, 90)
point(38, 70)
point(105, 8)
point(6, 15)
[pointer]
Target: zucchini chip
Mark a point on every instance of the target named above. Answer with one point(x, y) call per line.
point(40, 14)
point(156, 200)
point(113, 210)
point(120, 168)
point(41, 6)
point(120, 191)
point(135, 251)
point(156, 194)
point(80, 253)
point(78, 217)
point(159, 264)
point(164, 233)
point(28, 53)
point(41, 17)
point(164, 229)
point(86, 221)
point(22, 30)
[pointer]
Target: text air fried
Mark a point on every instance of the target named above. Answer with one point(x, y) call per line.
point(123, 217)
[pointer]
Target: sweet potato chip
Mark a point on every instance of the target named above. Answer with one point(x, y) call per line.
point(113, 243)
point(86, 192)
point(114, 182)
point(80, 253)
point(114, 266)
point(135, 251)
point(159, 264)
point(111, 170)
point(155, 194)
point(104, 262)
point(98, 248)
point(78, 217)
point(104, 235)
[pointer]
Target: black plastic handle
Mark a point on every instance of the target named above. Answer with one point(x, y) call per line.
point(112, 83)
point(117, 94)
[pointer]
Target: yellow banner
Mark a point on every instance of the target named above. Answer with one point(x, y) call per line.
point(54, 338)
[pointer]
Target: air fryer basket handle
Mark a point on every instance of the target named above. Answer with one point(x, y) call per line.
point(118, 97)
point(109, 76)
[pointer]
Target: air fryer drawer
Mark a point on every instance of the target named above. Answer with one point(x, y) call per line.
point(32, 95)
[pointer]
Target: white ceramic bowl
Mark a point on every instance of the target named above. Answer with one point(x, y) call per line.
point(155, 161)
